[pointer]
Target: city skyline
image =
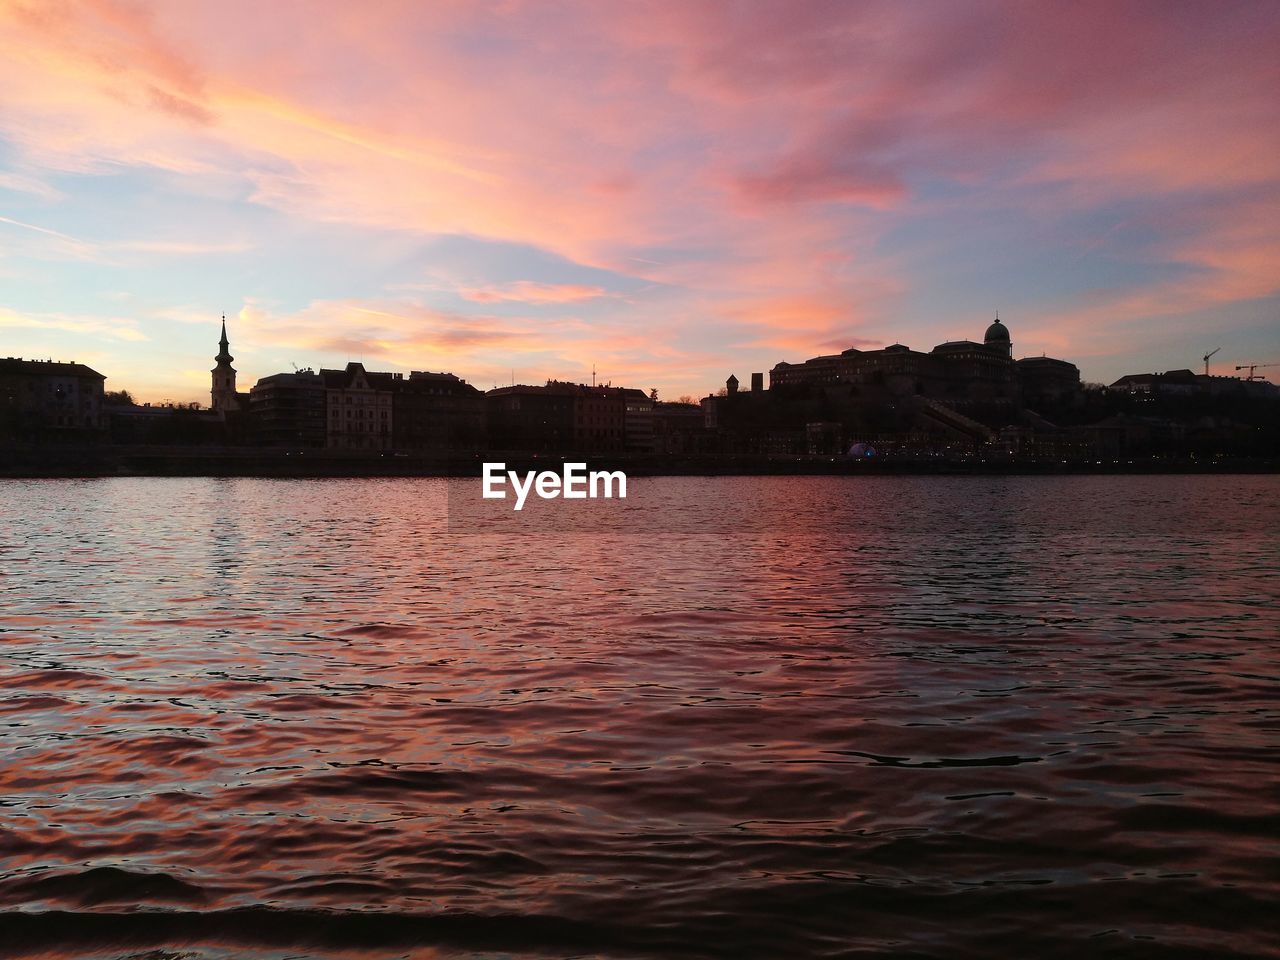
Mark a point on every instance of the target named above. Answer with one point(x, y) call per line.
point(667, 194)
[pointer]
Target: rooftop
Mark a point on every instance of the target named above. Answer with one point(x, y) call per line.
point(45, 368)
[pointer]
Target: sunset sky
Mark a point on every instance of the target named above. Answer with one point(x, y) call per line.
point(671, 192)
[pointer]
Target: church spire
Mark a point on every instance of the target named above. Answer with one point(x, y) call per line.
point(223, 396)
point(224, 353)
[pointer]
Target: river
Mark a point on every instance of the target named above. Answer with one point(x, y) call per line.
point(733, 717)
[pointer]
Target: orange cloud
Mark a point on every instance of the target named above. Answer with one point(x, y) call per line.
point(759, 166)
point(113, 328)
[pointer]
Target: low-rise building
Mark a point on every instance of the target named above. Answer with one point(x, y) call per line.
point(599, 416)
point(47, 399)
point(359, 408)
point(529, 419)
point(172, 424)
point(678, 428)
point(438, 411)
point(637, 429)
point(289, 409)
point(1188, 383)
point(563, 416)
point(1047, 379)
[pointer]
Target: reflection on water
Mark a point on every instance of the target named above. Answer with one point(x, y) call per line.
point(933, 717)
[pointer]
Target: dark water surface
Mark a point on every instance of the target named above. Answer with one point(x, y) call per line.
point(915, 717)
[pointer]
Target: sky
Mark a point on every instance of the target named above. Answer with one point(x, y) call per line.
point(666, 193)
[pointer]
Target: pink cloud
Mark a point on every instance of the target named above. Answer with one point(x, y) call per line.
point(754, 158)
point(527, 291)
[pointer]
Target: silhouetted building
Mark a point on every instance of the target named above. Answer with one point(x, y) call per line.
point(638, 421)
point(438, 411)
point(757, 382)
point(223, 398)
point(562, 416)
point(711, 412)
point(958, 371)
point(678, 428)
point(289, 409)
point(359, 407)
point(1046, 379)
point(45, 399)
point(529, 418)
point(824, 438)
point(171, 424)
point(976, 371)
point(1125, 434)
point(599, 416)
point(1173, 382)
point(896, 368)
point(997, 338)
point(1188, 383)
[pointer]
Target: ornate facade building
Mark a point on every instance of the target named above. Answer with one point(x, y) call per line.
point(359, 408)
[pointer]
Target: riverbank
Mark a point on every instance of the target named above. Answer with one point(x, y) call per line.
point(111, 461)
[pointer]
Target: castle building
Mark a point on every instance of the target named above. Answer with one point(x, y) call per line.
point(957, 371)
point(997, 339)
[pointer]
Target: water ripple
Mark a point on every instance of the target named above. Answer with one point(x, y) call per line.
point(908, 717)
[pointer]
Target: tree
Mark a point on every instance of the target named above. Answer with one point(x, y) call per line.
point(118, 398)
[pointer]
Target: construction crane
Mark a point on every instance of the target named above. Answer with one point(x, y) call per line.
point(1256, 366)
point(1206, 359)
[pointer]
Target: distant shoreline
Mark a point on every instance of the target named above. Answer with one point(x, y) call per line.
point(54, 463)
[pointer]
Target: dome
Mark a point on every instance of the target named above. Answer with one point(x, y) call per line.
point(997, 331)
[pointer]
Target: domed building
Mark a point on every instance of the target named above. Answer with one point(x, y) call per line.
point(956, 372)
point(982, 372)
point(997, 338)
